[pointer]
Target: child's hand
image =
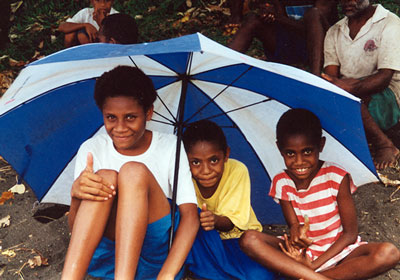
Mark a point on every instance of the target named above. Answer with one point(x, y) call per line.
point(207, 218)
point(91, 31)
point(91, 186)
point(298, 234)
point(295, 253)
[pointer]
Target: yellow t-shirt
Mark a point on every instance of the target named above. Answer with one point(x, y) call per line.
point(232, 200)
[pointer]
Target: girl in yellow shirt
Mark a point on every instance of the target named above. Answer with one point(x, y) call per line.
point(223, 193)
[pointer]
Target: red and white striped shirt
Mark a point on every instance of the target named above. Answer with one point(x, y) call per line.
point(319, 203)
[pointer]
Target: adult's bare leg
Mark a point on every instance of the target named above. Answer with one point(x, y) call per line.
point(315, 26)
point(236, 8)
point(254, 27)
point(386, 153)
point(88, 228)
point(140, 202)
point(263, 249)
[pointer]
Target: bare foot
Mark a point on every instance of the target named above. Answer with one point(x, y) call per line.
point(386, 157)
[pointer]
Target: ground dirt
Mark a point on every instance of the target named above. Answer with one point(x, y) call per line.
point(26, 237)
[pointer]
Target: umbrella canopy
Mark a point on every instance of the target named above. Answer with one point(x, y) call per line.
point(49, 110)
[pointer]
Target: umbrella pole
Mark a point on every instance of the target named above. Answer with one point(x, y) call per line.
point(179, 132)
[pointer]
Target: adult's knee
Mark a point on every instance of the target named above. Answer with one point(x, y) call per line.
point(387, 255)
point(248, 239)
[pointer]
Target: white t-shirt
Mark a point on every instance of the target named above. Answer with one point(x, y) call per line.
point(375, 47)
point(86, 16)
point(159, 159)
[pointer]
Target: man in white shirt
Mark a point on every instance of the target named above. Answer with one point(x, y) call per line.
point(362, 56)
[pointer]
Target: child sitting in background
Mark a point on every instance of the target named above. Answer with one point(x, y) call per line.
point(82, 28)
point(319, 192)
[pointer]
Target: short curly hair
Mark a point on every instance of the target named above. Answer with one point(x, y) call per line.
point(204, 130)
point(298, 122)
point(125, 81)
point(121, 27)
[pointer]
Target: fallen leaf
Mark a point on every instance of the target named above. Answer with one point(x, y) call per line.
point(17, 188)
point(13, 37)
point(35, 27)
point(189, 3)
point(15, 63)
point(9, 253)
point(151, 9)
point(6, 196)
point(37, 261)
point(5, 222)
point(2, 269)
point(6, 79)
point(41, 44)
point(185, 18)
point(15, 6)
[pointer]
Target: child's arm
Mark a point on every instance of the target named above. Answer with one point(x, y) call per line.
point(183, 241)
point(348, 217)
point(209, 221)
point(88, 186)
point(68, 27)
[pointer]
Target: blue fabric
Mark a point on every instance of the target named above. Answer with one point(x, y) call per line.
point(297, 12)
point(216, 259)
point(152, 257)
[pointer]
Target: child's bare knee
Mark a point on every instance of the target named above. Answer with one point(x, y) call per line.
point(134, 167)
point(248, 239)
point(387, 255)
point(109, 175)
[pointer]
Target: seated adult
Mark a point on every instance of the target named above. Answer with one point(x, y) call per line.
point(291, 32)
point(362, 56)
point(118, 29)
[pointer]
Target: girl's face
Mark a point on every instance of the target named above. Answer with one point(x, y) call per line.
point(206, 162)
point(301, 156)
point(125, 122)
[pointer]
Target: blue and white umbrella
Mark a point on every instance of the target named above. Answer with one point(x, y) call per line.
point(49, 110)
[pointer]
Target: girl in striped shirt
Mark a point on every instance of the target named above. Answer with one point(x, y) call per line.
point(316, 201)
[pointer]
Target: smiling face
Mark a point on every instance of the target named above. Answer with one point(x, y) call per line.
point(353, 8)
point(125, 122)
point(301, 156)
point(206, 162)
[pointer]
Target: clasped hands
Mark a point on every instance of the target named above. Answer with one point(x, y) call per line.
point(295, 246)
